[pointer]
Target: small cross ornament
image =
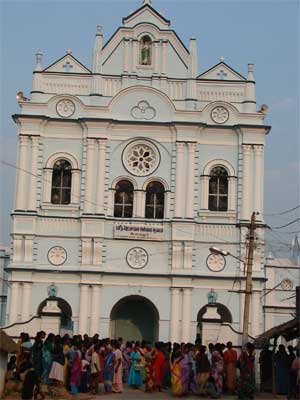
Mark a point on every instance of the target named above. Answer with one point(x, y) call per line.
point(222, 75)
point(68, 66)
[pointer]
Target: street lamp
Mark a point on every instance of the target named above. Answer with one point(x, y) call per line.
point(217, 250)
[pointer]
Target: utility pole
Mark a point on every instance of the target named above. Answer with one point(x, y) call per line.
point(248, 290)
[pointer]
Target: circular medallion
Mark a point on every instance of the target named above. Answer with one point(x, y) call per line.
point(219, 115)
point(137, 258)
point(215, 262)
point(65, 108)
point(57, 255)
point(141, 158)
point(286, 284)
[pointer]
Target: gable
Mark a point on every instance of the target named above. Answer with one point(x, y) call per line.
point(222, 71)
point(146, 13)
point(68, 64)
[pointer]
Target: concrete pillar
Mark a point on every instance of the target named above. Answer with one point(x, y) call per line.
point(89, 177)
point(174, 319)
point(156, 57)
point(95, 305)
point(26, 301)
point(259, 177)
point(33, 176)
point(101, 177)
point(242, 305)
point(14, 302)
point(83, 309)
point(245, 214)
point(190, 192)
point(186, 315)
point(21, 174)
point(179, 192)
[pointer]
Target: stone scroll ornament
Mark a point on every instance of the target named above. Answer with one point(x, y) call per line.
point(143, 110)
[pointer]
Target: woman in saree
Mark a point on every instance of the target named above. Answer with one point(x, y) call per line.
point(76, 369)
point(47, 358)
point(185, 370)
point(230, 359)
point(108, 369)
point(37, 354)
point(159, 366)
point(149, 387)
point(126, 361)
point(118, 373)
point(176, 373)
point(246, 385)
point(217, 368)
point(135, 377)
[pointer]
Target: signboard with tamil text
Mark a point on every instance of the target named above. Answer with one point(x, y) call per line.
point(142, 231)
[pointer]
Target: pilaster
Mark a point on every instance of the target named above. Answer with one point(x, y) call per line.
point(17, 248)
point(186, 315)
point(259, 177)
point(174, 320)
point(188, 251)
point(33, 176)
point(97, 256)
point(89, 177)
point(26, 301)
point(21, 180)
point(75, 191)
point(86, 257)
point(126, 55)
point(189, 211)
point(232, 194)
point(204, 192)
point(95, 304)
point(179, 193)
point(101, 176)
point(246, 182)
point(28, 248)
point(83, 307)
point(14, 302)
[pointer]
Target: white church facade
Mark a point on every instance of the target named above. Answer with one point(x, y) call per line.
point(128, 173)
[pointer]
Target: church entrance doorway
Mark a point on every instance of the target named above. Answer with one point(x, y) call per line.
point(66, 323)
point(210, 326)
point(134, 318)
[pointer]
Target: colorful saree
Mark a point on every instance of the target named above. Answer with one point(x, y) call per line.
point(108, 371)
point(176, 377)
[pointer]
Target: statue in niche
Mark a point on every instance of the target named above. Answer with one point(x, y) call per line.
point(212, 297)
point(145, 51)
point(52, 290)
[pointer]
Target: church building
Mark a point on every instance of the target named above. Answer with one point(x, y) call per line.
point(128, 172)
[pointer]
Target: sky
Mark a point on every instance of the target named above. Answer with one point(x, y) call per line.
point(263, 32)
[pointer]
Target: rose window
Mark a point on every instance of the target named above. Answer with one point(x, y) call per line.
point(286, 284)
point(141, 158)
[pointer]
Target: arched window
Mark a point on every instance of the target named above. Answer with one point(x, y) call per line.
point(123, 199)
point(145, 50)
point(218, 189)
point(155, 200)
point(61, 182)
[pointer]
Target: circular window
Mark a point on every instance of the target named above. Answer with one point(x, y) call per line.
point(286, 284)
point(141, 158)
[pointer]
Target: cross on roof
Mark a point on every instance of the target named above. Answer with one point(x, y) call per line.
point(68, 66)
point(222, 75)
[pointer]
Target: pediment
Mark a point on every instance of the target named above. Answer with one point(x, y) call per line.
point(146, 13)
point(68, 64)
point(222, 71)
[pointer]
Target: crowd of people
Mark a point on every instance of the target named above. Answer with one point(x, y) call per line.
point(85, 364)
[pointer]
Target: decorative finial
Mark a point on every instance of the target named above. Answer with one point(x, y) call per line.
point(99, 30)
point(69, 51)
point(38, 60)
point(250, 76)
point(222, 59)
point(146, 2)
